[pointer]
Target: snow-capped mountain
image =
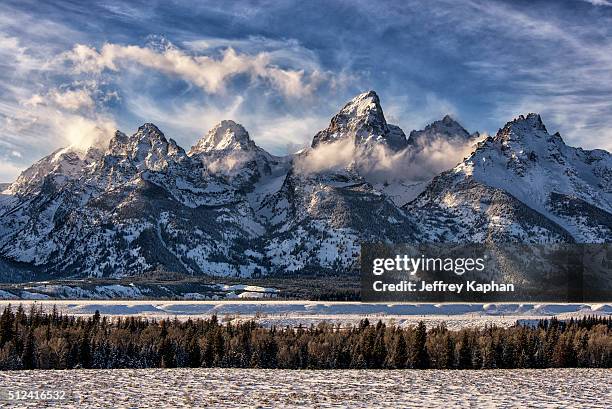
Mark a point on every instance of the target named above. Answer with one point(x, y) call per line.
point(58, 168)
point(228, 152)
point(318, 220)
point(324, 207)
point(228, 207)
point(521, 185)
point(446, 128)
point(144, 204)
point(362, 120)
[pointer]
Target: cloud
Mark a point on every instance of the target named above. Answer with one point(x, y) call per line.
point(286, 52)
point(36, 125)
point(81, 132)
point(10, 47)
point(207, 72)
point(560, 70)
point(73, 100)
point(38, 113)
point(49, 125)
point(229, 164)
point(8, 171)
point(283, 73)
point(378, 164)
point(277, 132)
point(328, 156)
point(600, 2)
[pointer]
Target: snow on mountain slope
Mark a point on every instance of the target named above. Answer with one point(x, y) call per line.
point(521, 185)
point(446, 128)
point(143, 205)
point(230, 208)
point(326, 205)
point(318, 221)
point(58, 168)
point(228, 152)
point(359, 138)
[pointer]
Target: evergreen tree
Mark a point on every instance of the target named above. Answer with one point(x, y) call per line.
point(398, 353)
point(464, 353)
point(28, 357)
point(418, 351)
point(85, 351)
point(7, 330)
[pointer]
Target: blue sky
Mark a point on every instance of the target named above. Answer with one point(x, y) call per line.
point(71, 72)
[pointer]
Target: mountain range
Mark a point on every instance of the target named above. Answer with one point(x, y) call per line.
point(228, 207)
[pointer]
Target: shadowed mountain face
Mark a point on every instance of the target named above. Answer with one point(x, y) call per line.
point(446, 128)
point(227, 207)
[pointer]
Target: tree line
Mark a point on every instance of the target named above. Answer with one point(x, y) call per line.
point(50, 340)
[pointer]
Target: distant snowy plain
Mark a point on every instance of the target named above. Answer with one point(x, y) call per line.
point(306, 313)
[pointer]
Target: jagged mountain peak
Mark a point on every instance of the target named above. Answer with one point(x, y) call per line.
point(365, 105)
point(117, 142)
point(147, 148)
point(447, 128)
point(227, 151)
point(226, 135)
point(145, 204)
point(448, 122)
point(150, 133)
point(525, 124)
point(363, 120)
point(521, 145)
point(562, 184)
point(149, 127)
point(147, 133)
point(59, 167)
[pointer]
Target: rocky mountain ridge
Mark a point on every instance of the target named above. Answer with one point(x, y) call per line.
point(228, 207)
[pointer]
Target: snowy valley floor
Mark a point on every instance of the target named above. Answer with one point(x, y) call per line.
point(154, 388)
point(305, 313)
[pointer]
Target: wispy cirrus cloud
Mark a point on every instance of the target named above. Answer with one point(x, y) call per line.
point(41, 109)
point(600, 2)
point(555, 64)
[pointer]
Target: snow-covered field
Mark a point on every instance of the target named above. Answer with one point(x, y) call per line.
point(294, 313)
point(44, 290)
point(155, 388)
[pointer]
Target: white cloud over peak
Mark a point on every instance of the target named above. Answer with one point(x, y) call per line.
point(71, 100)
point(207, 72)
point(379, 164)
